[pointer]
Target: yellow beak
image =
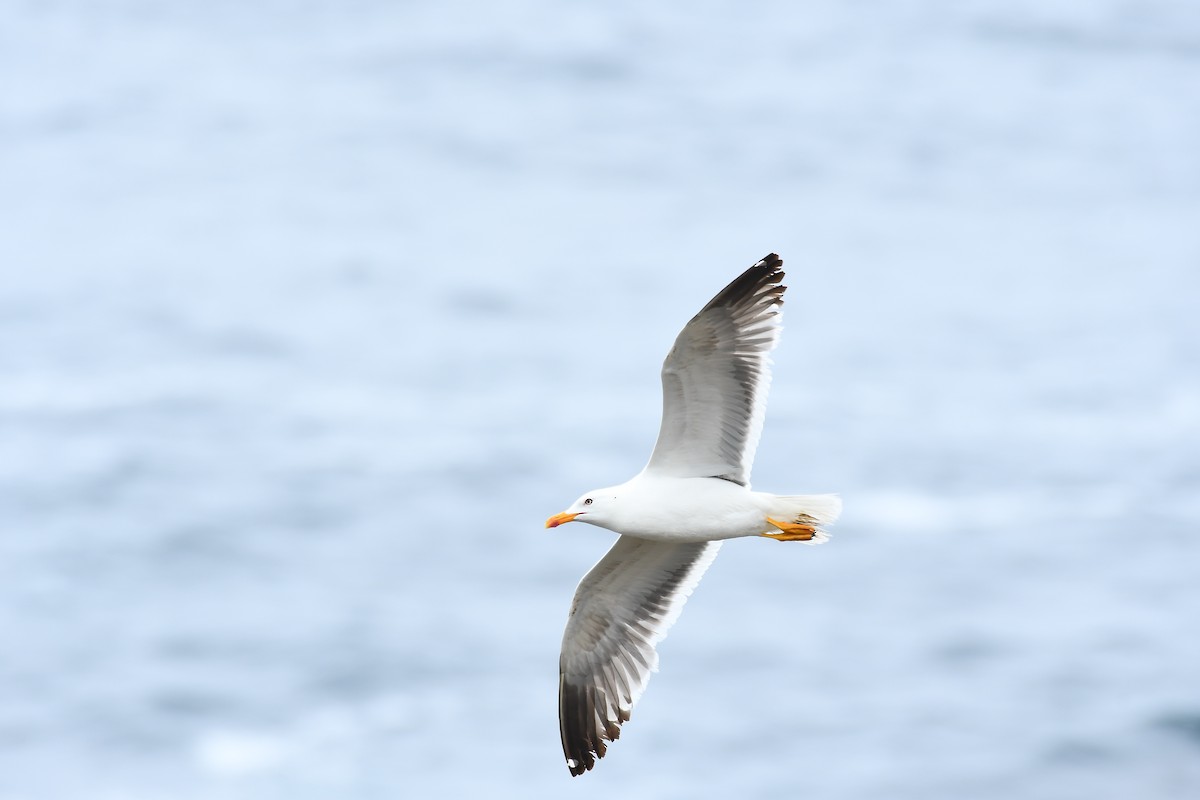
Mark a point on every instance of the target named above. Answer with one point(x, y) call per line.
point(559, 519)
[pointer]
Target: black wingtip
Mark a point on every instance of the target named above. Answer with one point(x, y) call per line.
point(764, 272)
point(582, 743)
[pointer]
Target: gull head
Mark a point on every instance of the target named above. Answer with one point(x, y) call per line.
point(595, 507)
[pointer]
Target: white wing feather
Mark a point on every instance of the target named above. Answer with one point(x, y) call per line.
point(622, 609)
point(716, 377)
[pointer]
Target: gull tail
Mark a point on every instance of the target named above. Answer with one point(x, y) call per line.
point(801, 517)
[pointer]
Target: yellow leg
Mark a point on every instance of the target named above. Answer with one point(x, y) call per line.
point(791, 531)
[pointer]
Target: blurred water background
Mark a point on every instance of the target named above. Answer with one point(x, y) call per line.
point(312, 312)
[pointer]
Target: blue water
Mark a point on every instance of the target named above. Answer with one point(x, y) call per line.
point(311, 313)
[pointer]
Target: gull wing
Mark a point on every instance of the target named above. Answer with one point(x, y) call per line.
point(716, 377)
point(622, 609)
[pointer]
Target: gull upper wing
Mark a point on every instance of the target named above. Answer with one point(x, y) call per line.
point(622, 609)
point(715, 380)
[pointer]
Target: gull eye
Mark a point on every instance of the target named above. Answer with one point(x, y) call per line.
point(587, 502)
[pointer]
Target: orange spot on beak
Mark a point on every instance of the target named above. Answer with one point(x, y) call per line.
point(559, 519)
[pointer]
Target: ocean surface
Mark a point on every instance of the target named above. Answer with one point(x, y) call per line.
point(312, 312)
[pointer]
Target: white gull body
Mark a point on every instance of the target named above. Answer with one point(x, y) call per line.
point(694, 492)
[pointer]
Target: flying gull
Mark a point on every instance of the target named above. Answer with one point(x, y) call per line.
point(672, 516)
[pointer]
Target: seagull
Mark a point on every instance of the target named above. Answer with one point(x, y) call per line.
point(672, 516)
